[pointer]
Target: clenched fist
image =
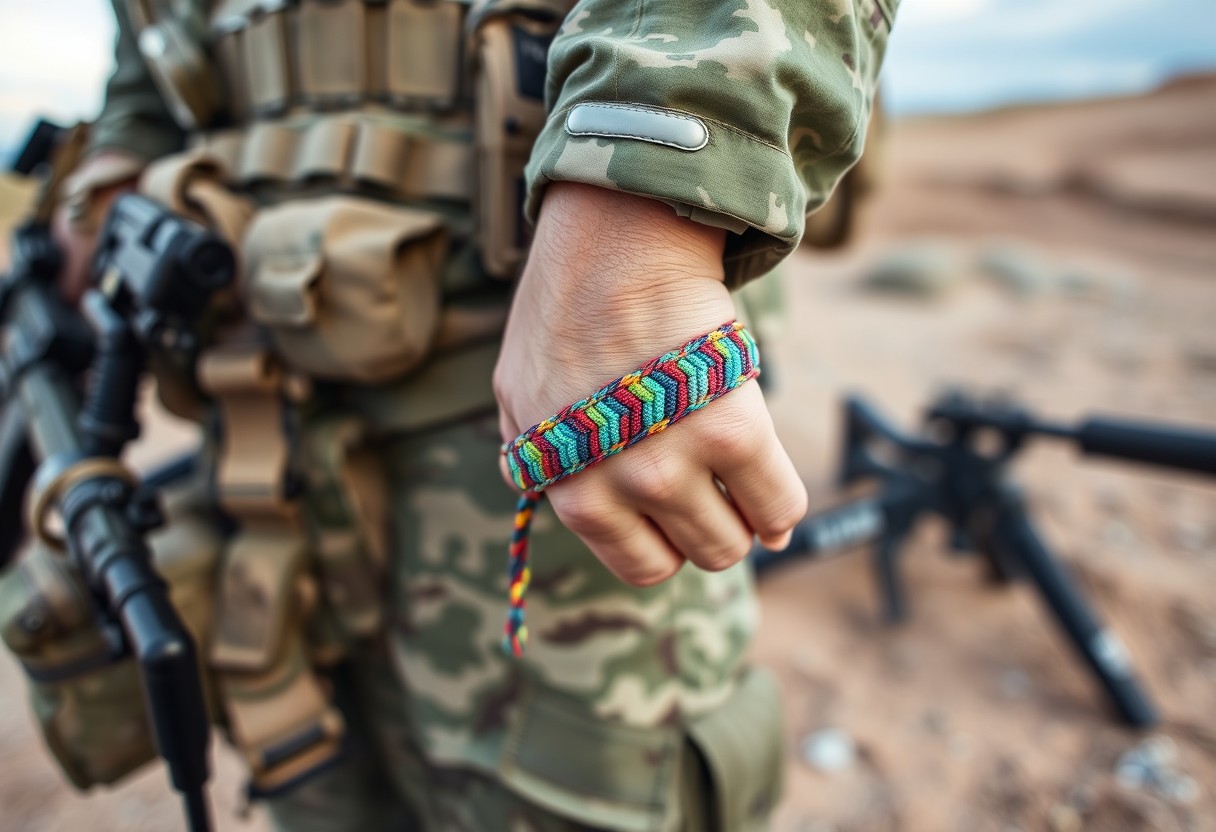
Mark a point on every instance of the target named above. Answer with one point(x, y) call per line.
point(612, 281)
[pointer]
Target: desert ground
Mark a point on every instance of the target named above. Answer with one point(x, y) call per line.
point(1063, 255)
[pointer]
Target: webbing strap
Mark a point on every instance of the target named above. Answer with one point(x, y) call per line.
point(278, 709)
point(251, 477)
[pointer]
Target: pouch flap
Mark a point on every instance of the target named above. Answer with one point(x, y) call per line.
point(602, 774)
point(283, 292)
point(741, 743)
point(258, 598)
point(42, 600)
point(347, 287)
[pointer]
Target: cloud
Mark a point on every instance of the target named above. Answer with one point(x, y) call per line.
point(951, 55)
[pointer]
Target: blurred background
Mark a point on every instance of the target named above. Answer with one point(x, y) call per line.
point(1035, 217)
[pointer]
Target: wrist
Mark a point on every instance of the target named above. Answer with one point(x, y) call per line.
point(607, 260)
point(596, 238)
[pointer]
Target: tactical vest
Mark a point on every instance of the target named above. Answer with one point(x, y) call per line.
point(416, 101)
point(367, 158)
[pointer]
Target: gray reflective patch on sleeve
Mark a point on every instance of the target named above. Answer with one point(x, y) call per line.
point(635, 121)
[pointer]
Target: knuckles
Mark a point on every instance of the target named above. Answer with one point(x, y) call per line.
point(659, 483)
point(723, 556)
point(783, 513)
point(644, 575)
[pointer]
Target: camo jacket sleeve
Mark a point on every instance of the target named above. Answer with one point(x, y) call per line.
point(739, 113)
point(134, 117)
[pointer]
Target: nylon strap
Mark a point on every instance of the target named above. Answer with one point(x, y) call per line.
point(249, 387)
point(278, 708)
point(347, 150)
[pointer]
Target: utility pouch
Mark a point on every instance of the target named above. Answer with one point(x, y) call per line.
point(348, 288)
point(277, 708)
point(89, 705)
point(742, 748)
point(626, 778)
point(509, 49)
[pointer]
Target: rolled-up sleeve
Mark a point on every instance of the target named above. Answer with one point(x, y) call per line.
point(739, 113)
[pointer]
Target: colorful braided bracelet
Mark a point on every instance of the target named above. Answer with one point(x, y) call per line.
point(657, 394)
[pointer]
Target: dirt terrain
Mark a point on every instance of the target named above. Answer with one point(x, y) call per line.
point(1065, 255)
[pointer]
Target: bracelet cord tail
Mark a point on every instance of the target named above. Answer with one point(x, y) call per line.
point(519, 574)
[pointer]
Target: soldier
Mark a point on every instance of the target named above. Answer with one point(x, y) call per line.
point(367, 158)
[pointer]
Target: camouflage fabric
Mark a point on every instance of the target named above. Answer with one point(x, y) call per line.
point(595, 728)
point(633, 709)
point(785, 89)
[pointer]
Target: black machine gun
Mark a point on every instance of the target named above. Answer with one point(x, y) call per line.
point(155, 273)
point(960, 472)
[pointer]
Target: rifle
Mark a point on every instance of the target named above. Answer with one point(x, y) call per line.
point(959, 471)
point(156, 273)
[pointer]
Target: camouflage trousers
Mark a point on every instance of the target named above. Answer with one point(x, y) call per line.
point(632, 709)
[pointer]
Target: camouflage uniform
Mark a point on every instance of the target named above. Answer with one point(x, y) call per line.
point(632, 709)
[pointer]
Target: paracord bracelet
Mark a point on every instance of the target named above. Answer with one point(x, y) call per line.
point(652, 397)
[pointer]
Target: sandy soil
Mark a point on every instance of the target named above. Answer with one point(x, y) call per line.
point(972, 716)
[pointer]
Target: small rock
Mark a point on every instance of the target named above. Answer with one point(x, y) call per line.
point(1097, 283)
point(1152, 766)
point(926, 270)
point(1190, 536)
point(815, 826)
point(959, 746)
point(1019, 269)
point(905, 657)
point(935, 721)
point(1064, 818)
point(1182, 790)
point(1200, 358)
point(829, 751)
point(1015, 684)
point(1118, 534)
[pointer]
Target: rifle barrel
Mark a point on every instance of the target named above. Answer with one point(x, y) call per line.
point(828, 533)
point(1185, 448)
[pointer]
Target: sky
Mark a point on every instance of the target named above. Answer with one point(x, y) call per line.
point(945, 55)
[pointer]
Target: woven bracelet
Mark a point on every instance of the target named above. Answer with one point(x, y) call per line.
point(652, 397)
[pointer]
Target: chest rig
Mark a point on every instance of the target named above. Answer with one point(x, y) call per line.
point(353, 150)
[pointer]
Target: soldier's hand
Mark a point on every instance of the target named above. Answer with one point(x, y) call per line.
point(614, 280)
point(77, 238)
